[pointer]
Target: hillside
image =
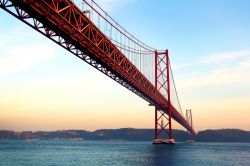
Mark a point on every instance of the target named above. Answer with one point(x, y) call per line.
point(128, 134)
point(223, 135)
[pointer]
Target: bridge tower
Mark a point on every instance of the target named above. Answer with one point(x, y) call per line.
point(189, 119)
point(163, 133)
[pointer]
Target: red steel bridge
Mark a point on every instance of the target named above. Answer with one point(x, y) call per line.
point(83, 28)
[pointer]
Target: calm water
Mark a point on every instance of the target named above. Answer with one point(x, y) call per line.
point(122, 153)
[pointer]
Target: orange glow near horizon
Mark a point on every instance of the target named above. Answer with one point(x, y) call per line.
point(44, 87)
point(50, 105)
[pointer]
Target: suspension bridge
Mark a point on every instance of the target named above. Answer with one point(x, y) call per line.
point(88, 32)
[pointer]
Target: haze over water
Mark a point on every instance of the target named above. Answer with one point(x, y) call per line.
point(93, 153)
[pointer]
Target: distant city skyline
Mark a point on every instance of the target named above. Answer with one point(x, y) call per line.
point(43, 87)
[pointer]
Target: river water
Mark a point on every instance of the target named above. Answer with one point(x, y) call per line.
point(107, 153)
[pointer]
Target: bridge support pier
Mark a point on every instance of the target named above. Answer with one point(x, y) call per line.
point(163, 124)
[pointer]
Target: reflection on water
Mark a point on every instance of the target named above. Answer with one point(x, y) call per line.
point(162, 154)
point(93, 153)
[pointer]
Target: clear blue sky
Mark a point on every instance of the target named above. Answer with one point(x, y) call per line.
point(209, 45)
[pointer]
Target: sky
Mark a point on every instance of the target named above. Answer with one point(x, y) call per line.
point(43, 87)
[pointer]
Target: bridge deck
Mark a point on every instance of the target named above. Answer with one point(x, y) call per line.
point(64, 19)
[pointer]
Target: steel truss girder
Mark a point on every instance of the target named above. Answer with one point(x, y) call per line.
point(35, 24)
point(142, 83)
point(74, 31)
point(69, 22)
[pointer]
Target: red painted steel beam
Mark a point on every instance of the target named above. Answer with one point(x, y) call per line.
point(69, 23)
point(169, 96)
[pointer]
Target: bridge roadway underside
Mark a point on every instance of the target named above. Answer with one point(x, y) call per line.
point(76, 33)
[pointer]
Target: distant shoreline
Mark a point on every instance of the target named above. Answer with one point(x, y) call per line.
point(126, 134)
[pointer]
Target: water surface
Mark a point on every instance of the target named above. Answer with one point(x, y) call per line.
point(93, 153)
